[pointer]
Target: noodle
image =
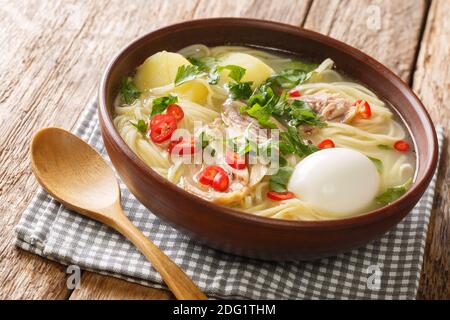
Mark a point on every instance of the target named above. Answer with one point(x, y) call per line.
point(364, 135)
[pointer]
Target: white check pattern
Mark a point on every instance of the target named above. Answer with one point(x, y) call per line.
point(48, 229)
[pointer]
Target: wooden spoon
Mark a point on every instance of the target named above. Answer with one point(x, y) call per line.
point(78, 177)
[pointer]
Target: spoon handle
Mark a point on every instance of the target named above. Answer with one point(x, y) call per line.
point(178, 282)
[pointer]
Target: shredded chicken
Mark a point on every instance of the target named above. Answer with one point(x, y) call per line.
point(241, 180)
point(238, 123)
point(330, 107)
point(237, 190)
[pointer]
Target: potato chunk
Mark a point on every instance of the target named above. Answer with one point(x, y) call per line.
point(158, 70)
point(255, 70)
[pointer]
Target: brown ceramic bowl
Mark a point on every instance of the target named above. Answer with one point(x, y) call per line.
point(237, 232)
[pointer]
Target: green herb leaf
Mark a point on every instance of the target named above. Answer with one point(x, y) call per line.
point(299, 113)
point(262, 114)
point(391, 194)
point(236, 72)
point(291, 143)
point(377, 162)
point(383, 147)
point(187, 73)
point(204, 63)
point(240, 90)
point(260, 105)
point(279, 181)
point(301, 65)
point(289, 78)
point(161, 104)
point(204, 140)
point(129, 91)
point(141, 126)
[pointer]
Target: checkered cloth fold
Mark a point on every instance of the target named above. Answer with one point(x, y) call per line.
point(48, 229)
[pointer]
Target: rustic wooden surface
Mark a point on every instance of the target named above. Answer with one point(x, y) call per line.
point(432, 83)
point(52, 53)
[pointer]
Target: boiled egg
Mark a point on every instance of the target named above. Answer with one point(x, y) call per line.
point(336, 180)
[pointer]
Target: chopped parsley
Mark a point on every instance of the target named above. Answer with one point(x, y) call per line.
point(160, 104)
point(141, 126)
point(377, 162)
point(289, 78)
point(235, 72)
point(240, 90)
point(290, 142)
point(392, 194)
point(204, 63)
point(129, 91)
point(187, 73)
point(279, 181)
point(383, 147)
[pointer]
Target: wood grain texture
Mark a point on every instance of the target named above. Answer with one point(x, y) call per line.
point(54, 51)
point(432, 83)
point(52, 55)
point(292, 12)
point(386, 30)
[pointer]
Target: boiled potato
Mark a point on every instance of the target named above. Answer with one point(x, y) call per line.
point(194, 91)
point(158, 70)
point(255, 70)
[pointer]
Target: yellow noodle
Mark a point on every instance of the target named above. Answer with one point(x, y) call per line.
point(363, 135)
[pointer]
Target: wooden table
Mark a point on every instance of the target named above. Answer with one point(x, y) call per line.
point(52, 54)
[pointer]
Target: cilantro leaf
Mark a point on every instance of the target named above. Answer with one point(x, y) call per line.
point(301, 114)
point(377, 162)
point(262, 114)
point(129, 91)
point(204, 63)
point(141, 126)
point(240, 90)
point(279, 181)
point(290, 142)
point(289, 78)
point(161, 104)
point(187, 73)
point(383, 147)
point(260, 105)
point(392, 194)
point(301, 65)
point(236, 72)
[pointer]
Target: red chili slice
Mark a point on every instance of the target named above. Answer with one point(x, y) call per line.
point(162, 129)
point(221, 181)
point(183, 147)
point(280, 196)
point(158, 118)
point(294, 93)
point(402, 146)
point(235, 161)
point(176, 111)
point(173, 143)
point(326, 144)
point(363, 109)
point(208, 174)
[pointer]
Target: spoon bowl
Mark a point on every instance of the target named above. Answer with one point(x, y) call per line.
point(77, 176)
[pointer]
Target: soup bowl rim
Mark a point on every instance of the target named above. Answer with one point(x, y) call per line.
point(384, 212)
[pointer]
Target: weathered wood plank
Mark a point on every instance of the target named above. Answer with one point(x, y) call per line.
point(54, 51)
point(95, 287)
point(432, 84)
point(292, 11)
point(387, 30)
point(52, 55)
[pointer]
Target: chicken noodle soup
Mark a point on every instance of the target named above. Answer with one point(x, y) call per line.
point(268, 134)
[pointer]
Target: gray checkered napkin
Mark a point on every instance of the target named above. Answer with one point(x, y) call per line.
point(48, 229)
